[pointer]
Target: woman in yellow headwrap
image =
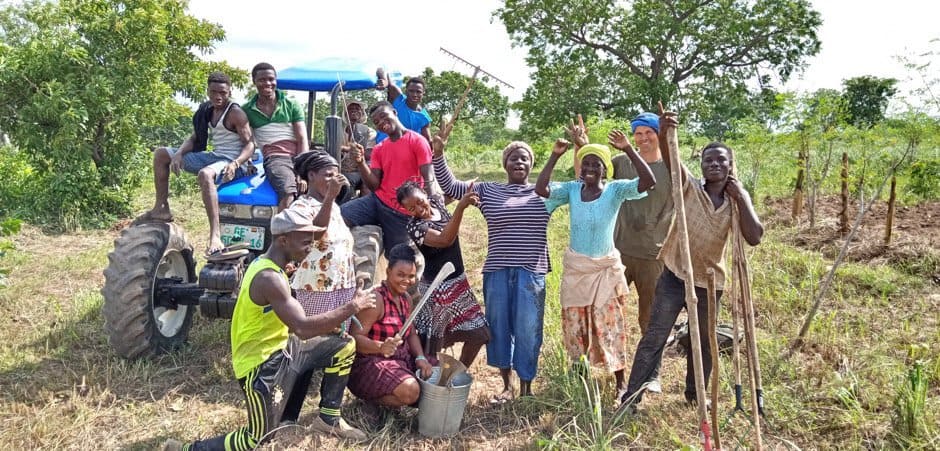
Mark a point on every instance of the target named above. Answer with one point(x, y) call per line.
point(593, 289)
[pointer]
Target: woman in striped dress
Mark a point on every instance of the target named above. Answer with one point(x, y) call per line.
point(516, 262)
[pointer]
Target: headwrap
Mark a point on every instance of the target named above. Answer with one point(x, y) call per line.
point(647, 119)
point(517, 145)
point(600, 151)
point(312, 161)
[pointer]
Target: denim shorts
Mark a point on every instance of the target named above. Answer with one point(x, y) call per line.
point(193, 162)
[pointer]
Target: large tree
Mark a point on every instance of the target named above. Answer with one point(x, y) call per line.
point(618, 58)
point(866, 99)
point(82, 79)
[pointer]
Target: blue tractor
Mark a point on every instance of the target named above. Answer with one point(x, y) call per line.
point(151, 289)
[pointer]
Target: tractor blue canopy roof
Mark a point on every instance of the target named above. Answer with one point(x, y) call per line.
point(322, 75)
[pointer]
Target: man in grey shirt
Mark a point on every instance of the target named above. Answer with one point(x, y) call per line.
point(642, 228)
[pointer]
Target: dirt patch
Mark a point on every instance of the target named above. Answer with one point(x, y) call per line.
point(914, 237)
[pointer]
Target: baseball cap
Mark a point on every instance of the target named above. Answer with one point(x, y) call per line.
point(293, 220)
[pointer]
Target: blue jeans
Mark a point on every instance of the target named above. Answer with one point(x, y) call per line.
point(515, 306)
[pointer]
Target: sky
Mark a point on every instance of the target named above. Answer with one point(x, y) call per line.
point(859, 37)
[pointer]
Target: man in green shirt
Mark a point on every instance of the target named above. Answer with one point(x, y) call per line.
point(277, 123)
point(276, 347)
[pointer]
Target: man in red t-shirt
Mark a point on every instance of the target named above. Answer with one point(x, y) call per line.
point(406, 155)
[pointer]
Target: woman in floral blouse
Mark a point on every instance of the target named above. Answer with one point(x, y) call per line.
point(326, 279)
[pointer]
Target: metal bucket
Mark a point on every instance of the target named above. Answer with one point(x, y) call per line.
point(440, 409)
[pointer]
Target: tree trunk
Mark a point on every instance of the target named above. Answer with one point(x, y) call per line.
point(798, 189)
point(889, 221)
point(844, 212)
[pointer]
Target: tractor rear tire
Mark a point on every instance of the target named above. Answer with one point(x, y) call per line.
point(142, 254)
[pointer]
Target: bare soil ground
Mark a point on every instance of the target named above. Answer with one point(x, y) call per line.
point(915, 238)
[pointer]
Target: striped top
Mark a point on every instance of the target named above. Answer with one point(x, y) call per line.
point(516, 221)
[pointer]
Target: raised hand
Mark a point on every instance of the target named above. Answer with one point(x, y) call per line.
point(577, 132)
point(381, 79)
point(301, 185)
point(470, 197)
point(619, 140)
point(561, 146)
point(667, 119)
point(334, 185)
point(439, 140)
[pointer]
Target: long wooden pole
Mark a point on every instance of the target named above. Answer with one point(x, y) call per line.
point(742, 275)
point(713, 344)
point(844, 213)
point(691, 303)
point(889, 220)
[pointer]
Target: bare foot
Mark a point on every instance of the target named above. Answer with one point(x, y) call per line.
point(155, 215)
point(504, 397)
point(215, 245)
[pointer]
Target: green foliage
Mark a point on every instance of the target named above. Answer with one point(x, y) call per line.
point(925, 178)
point(620, 58)
point(82, 81)
point(909, 423)
point(866, 99)
point(8, 227)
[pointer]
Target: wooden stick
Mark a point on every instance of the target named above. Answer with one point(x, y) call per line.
point(463, 99)
point(735, 346)
point(844, 213)
point(713, 344)
point(889, 221)
point(685, 259)
point(743, 278)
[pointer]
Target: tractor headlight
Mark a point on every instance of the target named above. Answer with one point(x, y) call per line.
point(227, 210)
point(262, 212)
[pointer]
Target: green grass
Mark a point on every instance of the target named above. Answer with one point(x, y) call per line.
point(855, 383)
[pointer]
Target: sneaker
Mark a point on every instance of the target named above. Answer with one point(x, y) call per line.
point(654, 386)
point(342, 430)
point(172, 444)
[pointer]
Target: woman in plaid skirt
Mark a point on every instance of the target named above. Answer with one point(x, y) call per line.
point(385, 366)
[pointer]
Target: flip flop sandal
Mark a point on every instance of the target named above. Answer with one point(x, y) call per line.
point(236, 246)
point(229, 248)
point(222, 255)
point(499, 400)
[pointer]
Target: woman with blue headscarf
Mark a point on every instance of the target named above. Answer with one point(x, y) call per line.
point(593, 288)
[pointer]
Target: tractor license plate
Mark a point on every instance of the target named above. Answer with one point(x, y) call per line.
point(235, 233)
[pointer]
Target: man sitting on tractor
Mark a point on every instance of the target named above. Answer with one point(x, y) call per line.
point(360, 133)
point(276, 346)
point(278, 124)
point(232, 147)
point(408, 106)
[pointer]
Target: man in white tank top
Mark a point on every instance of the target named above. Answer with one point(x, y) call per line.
point(227, 125)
